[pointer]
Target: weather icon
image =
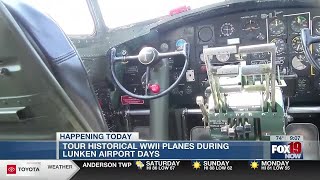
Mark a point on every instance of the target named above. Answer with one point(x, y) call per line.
point(139, 164)
point(254, 165)
point(196, 165)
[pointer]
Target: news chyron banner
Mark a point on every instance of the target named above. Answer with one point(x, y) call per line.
point(127, 146)
point(107, 154)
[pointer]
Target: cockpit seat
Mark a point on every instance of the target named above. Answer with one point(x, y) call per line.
point(61, 58)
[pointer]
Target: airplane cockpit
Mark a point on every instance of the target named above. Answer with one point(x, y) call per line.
point(227, 70)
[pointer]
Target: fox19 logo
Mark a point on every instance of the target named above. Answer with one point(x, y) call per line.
point(286, 150)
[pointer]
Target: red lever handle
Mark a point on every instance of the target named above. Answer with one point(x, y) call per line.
point(155, 88)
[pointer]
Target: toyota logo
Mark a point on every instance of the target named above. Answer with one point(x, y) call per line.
point(11, 169)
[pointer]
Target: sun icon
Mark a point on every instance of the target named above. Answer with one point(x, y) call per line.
point(254, 165)
point(196, 165)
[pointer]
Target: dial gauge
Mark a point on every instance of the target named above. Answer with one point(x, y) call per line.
point(297, 62)
point(296, 44)
point(298, 23)
point(164, 47)
point(276, 27)
point(205, 34)
point(180, 43)
point(316, 26)
point(280, 44)
point(223, 57)
point(227, 29)
point(251, 25)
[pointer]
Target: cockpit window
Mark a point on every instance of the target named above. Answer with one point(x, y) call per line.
point(73, 16)
point(118, 13)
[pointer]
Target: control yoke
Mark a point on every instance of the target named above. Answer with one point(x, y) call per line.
point(307, 40)
point(149, 57)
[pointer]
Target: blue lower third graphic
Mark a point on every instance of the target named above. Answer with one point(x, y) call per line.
point(160, 150)
point(28, 150)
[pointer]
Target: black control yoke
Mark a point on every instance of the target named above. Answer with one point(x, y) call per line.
point(149, 57)
point(307, 39)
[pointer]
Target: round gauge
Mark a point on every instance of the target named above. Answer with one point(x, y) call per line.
point(164, 47)
point(297, 62)
point(251, 25)
point(316, 26)
point(180, 43)
point(223, 57)
point(259, 55)
point(296, 44)
point(205, 34)
point(227, 29)
point(276, 27)
point(280, 44)
point(298, 23)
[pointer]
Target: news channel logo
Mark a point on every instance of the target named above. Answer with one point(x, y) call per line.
point(286, 150)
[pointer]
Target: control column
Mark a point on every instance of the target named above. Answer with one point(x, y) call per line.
point(159, 112)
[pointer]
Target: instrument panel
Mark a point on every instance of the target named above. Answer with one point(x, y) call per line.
point(279, 26)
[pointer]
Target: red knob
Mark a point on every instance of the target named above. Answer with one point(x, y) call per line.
point(155, 88)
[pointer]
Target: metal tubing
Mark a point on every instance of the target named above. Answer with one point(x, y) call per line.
point(146, 112)
point(160, 55)
point(139, 112)
point(250, 70)
point(301, 110)
point(193, 112)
